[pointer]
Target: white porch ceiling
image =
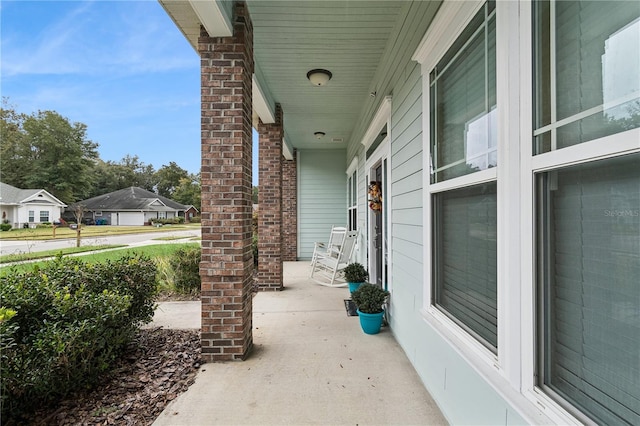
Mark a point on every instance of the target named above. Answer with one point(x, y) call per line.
point(347, 38)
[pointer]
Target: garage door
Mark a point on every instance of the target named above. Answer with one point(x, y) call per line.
point(125, 219)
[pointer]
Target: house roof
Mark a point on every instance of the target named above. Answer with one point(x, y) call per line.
point(15, 196)
point(132, 198)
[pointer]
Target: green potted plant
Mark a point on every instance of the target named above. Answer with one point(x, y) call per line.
point(355, 274)
point(369, 299)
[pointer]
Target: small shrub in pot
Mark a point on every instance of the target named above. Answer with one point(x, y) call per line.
point(369, 298)
point(355, 273)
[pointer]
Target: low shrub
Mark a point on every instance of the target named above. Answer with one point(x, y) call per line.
point(186, 270)
point(170, 221)
point(195, 219)
point(63, 325)
point(44, 225)
point(5, 226)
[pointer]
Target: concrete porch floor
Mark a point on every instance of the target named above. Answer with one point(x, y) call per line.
point(311, 365)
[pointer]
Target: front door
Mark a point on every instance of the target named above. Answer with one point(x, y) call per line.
point(378, 208)
point(378, 226)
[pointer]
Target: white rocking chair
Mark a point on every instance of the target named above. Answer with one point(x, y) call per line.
point(336, 237)
point(330, 262)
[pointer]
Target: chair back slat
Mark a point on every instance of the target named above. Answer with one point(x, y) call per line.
point(348, 245)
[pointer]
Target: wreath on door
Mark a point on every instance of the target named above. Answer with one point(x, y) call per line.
point(375, 196)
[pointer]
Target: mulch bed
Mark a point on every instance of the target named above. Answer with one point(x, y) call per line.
point(156, 367)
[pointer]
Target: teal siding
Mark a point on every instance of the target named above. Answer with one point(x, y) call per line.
point(406, 179)
point(322, 196)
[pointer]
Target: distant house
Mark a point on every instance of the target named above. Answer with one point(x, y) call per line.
point(190, 212)
point(28, 207)
point(130, 206)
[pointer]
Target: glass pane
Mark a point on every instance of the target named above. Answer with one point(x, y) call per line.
point(591, 79)
point(591, 291)
point(465, 253)
point(600, 124)
point(597, 55)
point(354, 189)
point(463, 100)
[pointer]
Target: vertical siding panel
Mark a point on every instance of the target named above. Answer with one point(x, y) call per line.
point(322, 196)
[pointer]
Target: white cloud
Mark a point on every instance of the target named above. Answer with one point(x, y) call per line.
point(83, 41)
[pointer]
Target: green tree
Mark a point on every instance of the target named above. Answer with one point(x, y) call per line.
point(13, 146)
point(188, 191)
point(168, 179)
point(45, 150)
point(62, 158)
point(137, 173)
point(106, 178)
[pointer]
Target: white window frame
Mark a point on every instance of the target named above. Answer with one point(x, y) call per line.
point(352, 203)
point(512, 372)
point(452, 19)
point(382, 155)
point(41, 216)
point(32, 216)
point(606, 147)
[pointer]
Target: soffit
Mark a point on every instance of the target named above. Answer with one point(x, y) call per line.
point(347, 38)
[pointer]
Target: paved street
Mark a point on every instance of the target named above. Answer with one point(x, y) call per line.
point(16, 247)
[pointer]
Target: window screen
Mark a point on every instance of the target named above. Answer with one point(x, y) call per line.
point(589, 274)
point(463, 102)
point(586, 67)
point(465, 248)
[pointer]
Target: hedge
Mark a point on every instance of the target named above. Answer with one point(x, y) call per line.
point(171, 221)
point(63, 325)
point(186, 269)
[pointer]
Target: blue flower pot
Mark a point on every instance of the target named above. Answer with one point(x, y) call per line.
point(353, 286)
point(370, 323)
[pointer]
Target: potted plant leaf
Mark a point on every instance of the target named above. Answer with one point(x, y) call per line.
point(355, 274)
point(369, 299)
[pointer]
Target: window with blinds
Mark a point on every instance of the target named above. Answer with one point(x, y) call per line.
point(463, 102)
point(465, 268)
point(586, 88)
point(464, 141)
point(587, 64)
point(589, 272)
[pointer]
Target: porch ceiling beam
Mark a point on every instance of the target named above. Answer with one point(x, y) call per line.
point(262, 108)
point(287, 152)
point(212, 18)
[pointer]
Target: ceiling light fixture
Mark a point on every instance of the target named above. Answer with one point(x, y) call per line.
point(319, 77)
point(319, 135)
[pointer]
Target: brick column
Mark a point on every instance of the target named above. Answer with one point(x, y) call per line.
point(270, 202)
point(226, 269)
point(289, 210)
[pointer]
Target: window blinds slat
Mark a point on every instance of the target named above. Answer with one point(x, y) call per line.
point(594, 295)
point(466, 245)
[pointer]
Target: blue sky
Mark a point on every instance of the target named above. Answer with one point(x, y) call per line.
point(120, 67)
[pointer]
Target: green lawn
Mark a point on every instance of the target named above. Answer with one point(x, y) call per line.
point(88, 231)
point(10, 258)
point(156, 252)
